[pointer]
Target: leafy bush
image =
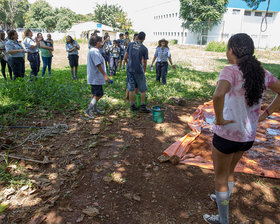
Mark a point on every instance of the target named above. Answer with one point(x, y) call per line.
point(276, 48)
point(173, 42)
point(216, 46)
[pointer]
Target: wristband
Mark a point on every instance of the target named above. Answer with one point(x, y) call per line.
point(267, 112)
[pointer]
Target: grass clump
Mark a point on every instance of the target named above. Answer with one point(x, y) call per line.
point(216, 46)
point(59, 94)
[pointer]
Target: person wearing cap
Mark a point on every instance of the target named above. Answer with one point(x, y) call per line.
point(162, 55)
point(32, 48)
point(94, 34)
point(135, 54)
point(121, 44)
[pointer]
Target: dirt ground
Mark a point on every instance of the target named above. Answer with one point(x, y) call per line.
point(105, 171)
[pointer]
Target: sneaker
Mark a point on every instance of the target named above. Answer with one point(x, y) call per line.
point(212, 219)
point(99, 112)
point(213, 197)
point(133, 108)
point(144, 109)
point(88, 112)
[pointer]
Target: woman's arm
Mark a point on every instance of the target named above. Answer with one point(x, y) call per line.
point(219, 100)
point(42, 45)
point(155, 57)
point(170, 60)
point(15, 51)
point(275, 105)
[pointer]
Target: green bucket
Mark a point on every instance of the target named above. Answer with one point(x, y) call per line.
point(158, 113)
point(138, 99)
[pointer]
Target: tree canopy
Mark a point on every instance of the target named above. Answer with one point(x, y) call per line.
point(12, 12)
point(112, 15)
point(202, 15)
point(254, 3)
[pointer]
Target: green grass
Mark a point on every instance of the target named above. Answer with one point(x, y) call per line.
point(12, 175)
point(216, 46)
point(59, 94)
point(46, 97)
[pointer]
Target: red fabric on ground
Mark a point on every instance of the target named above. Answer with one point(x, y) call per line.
point(195, 148)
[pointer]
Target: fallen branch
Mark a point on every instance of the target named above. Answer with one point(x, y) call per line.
point(45, 161)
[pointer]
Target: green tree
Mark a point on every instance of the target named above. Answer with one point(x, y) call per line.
point(41, 15)
point(12, 13)
point(254, 3)
point(112, 15)
point(201, 15)
point(64, 18)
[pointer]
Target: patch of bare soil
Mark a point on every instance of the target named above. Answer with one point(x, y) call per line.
point(106, 171)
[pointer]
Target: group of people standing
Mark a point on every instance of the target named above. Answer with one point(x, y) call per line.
point(12, 53)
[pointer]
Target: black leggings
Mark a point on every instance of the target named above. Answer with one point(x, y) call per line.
point(3, 69)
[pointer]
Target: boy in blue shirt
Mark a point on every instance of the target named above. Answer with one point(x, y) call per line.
point(135, 54)
point(96, 74)
point(121, 43)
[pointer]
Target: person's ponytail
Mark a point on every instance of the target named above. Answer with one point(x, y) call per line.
point(253, 73)
point(254, 76)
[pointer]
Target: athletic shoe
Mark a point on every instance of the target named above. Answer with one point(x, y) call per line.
point(213, 197)
point(212, 219)
point(99, 112)
point(144, 109)
point(133, 108)
point(88, 112)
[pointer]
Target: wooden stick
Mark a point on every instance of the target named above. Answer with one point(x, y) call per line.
point(45, 161)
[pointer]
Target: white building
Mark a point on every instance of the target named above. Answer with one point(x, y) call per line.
point(83, 30)
point(164, 22)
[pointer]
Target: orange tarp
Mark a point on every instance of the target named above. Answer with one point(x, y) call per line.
point(195, 148)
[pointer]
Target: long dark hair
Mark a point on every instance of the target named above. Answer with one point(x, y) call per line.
point(71, 39)
point(243, 48)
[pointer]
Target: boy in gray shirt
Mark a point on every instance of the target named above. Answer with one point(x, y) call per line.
point(96, 74)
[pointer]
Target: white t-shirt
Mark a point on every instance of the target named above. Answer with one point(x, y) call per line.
point(236, 108)
point(94, 76)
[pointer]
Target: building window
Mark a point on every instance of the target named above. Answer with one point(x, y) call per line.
point(247, 13)
point(236, 11)
point(176, 14)
point(269, 14)
point(160, 33)
point(168, 33)
point(161, 16)
point(178, 34)
point(169, 15)
point(185, 34)
point(258, 13)
point(181, 34)
point(172, 14)
point(166, 15)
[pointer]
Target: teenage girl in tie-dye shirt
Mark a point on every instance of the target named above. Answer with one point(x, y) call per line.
point(237, 104)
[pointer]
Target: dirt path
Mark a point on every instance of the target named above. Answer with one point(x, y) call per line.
point(110, 164)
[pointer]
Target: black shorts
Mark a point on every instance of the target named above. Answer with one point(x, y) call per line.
point(73, 60)
point(227, 147)
point(97, 90)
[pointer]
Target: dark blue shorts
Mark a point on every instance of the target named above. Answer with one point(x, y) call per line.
point(97, 90)
point(121, 57)
point(227, 147)
point(73, 60)
point(136, 81)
